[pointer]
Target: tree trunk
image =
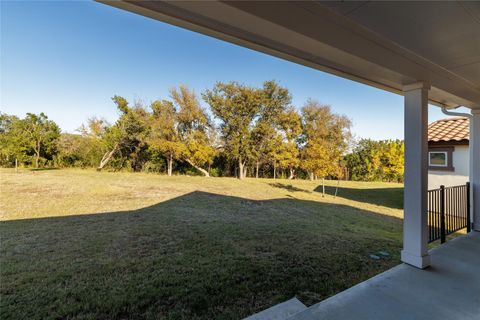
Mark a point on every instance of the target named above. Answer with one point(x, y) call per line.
point(256, 169)
point(106, 157)
point(336, 189)
point(37, 155)
point(205, 172)
point(241, 170)
point(323, 187)
point(170, 165)
point(311, 175)
point(292, 174)
point(37, 158)
point(274, 172)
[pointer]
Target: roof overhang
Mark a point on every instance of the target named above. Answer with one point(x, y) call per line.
point(440, 144)
point(384, 44)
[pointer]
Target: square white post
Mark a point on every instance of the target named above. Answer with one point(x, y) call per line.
point(415, 228)
point(474, 145)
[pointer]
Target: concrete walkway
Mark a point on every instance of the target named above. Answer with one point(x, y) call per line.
point(450, 289)
point(280, 311)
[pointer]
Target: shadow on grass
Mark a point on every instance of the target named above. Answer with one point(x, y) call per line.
point(200, 255)
point(288, 187)
point(387, 197)
point(42, 169)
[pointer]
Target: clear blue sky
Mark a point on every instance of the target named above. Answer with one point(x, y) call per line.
point(68, 59)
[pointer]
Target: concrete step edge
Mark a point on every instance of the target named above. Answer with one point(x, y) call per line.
point(281, 311)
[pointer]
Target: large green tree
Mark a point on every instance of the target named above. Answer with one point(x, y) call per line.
point(266, 131)
point(265, 141)
point(236, 107)
point(324, 140)
point(291, 129)
point(40, 135)
point(126, 139)
point(193, 129)
point(33, 137)
point(11, 139)
point(163, 135)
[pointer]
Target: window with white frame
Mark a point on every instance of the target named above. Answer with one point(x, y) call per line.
point(438, 159)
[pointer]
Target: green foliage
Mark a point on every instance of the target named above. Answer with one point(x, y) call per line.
point(193, 128)
point(254, 130)
point(237, 107)
point(215, 172)
point(376, 160)
point(11, 145)
point(267, 132)
point(181, 130)
point(252, 123)
point(83, 150)
point(125, 141)
point(163, 136)
point(77, 150)
point(324, 140)
point(288, 153)
point(32, 140)
point(156, 161)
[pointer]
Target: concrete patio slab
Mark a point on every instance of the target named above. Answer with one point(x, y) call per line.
point(449, 289)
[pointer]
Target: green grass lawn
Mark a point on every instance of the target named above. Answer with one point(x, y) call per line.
point(78, 244)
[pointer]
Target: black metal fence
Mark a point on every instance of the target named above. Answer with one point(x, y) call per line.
point(448, 211)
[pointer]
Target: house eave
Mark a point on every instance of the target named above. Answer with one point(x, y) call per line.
point(443, 143)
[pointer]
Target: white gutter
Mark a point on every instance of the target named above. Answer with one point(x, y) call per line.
point(456, 114)
point(470, 149)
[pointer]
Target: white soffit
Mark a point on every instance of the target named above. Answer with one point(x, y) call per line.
point(384, 44)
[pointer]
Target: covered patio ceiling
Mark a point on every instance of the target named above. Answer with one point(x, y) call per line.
point(384, 44)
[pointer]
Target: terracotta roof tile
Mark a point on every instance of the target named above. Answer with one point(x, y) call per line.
point(452, 129)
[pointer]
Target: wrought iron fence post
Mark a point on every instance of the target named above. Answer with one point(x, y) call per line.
point(469, 225)
point(442, 214)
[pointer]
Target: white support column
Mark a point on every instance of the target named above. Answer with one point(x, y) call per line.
point(475, 169)
point(415, 228)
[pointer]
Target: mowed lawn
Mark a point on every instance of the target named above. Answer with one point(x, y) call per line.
point(79, 244)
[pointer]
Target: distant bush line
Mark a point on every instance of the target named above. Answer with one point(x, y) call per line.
point(245, 132)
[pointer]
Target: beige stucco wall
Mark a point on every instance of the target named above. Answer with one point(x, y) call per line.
point(460, 157)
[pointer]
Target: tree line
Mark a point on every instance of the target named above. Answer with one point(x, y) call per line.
point(372, 160)
point(245, 131)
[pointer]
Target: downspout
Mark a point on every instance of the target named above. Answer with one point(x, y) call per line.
point(456, 114)
point(471, 143)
